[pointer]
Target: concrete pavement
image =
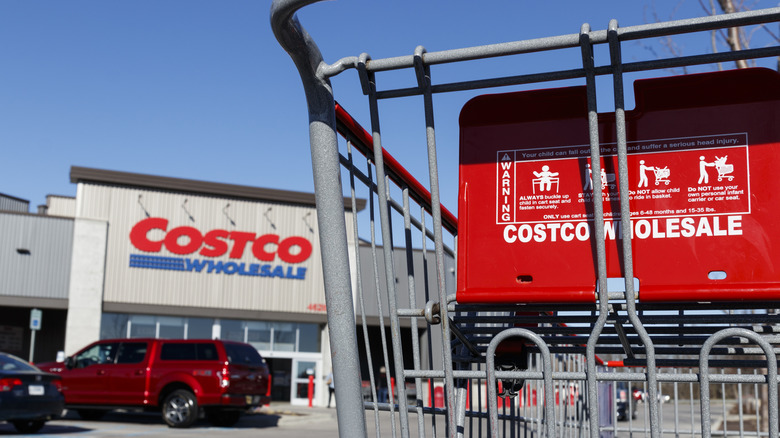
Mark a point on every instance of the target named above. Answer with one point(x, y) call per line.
point(290, 415)
point(279, 420)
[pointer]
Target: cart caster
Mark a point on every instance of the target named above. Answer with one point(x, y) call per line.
point(509, 387)
point(514, 360)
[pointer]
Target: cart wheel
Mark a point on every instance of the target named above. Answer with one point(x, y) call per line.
point(667, 183)
point(516, 360)
point(510, 387)
point(720, 178)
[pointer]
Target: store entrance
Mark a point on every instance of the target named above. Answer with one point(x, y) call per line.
point(281, 378)
point(303, 368)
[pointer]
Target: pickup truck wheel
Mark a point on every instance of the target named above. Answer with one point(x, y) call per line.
point(223, 418)
point(91, 414)
point(28, 426)
point(180, 409)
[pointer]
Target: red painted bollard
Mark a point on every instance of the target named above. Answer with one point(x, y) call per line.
point(311, 388)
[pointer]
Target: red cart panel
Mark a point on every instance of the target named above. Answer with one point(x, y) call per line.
point(703, 183)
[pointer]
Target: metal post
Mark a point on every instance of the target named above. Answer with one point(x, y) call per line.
point(330, 214)
point(32, 345)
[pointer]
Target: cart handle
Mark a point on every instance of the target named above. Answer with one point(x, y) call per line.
point(330, 211)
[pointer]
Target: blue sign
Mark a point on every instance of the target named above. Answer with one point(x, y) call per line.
point(216, 267)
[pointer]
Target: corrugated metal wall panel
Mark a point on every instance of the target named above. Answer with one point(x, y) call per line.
point(9, 203)
point(61, 206)
point(420, 265)
point(44, 272)
point(125, 207)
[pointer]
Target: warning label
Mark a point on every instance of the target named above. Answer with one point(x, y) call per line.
point(697, 192)
point(668, 178)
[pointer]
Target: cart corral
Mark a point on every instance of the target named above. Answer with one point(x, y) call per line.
point(635, 307)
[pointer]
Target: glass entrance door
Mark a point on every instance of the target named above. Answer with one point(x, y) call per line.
point(300, 382)
point(281, 376)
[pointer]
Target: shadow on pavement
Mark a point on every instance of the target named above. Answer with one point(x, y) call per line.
point(71, 423)
point(48, 429)
point(257, 420)
point(249, 420)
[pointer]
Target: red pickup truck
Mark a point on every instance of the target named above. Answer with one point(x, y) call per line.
point(180, 378)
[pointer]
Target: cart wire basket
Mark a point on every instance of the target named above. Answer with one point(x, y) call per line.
point(552, 306)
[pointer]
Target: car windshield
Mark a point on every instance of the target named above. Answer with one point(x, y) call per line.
point(243, 354)
point(13, 363)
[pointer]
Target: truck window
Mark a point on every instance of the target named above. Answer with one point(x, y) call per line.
point(188, 351)
point(98, 354)
point(242, 354)
point(131, 352)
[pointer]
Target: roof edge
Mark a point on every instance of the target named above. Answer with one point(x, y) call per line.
point(15, 198)
point(87, 174)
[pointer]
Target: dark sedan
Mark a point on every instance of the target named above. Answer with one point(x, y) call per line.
point(28, 396)
point(627, 402)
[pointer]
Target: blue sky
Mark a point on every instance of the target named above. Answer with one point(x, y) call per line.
point(201, 89)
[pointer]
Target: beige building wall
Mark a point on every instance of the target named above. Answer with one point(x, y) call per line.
point(86, 283)
point(124, 208)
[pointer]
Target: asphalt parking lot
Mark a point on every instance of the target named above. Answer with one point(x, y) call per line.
point(277, 420)
point(286, 421)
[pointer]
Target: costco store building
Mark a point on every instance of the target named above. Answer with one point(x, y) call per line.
point(136, 255)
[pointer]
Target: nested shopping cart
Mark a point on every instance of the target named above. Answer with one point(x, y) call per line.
point(552, 306)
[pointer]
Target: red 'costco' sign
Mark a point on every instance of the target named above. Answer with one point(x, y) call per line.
point(703, 175)
point(185, 240)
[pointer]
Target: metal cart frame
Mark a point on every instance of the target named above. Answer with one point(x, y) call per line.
point(470, 334)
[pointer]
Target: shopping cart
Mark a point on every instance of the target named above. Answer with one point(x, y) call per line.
point(724, 169)
point(539, 339)
point(661, 175)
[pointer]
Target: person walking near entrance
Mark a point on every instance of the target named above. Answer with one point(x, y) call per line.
point(381, 386)
point(331, 387)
